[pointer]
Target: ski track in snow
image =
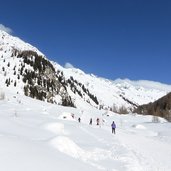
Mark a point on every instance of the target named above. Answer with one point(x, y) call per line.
point(119, 152)
point(116, 152)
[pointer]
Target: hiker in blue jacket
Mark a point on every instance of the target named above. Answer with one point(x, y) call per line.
point(113, 127)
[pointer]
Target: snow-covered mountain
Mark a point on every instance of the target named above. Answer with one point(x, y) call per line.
point(26, 71)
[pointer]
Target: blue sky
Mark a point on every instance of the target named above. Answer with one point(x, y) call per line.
point(112, 38)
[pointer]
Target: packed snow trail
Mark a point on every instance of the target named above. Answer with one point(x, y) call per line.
point(93, 145)
point(135, 150)
point(119, 153)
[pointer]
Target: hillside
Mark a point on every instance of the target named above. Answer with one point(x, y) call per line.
point(27, 71)
point(161, 107)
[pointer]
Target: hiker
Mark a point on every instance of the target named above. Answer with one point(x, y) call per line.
point(90, 123)
point(79, 120)
point(98, 121)
point(113, 127)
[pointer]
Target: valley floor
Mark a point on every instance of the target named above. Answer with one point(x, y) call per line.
point(36, 136)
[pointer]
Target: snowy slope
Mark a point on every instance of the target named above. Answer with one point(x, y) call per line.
point(110, 95)
point(35, 135)
point(8, 43)
point(137, 92)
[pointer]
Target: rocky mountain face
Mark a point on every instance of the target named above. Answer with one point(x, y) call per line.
point(25, 70)
point(161, 107)
point(24, 67)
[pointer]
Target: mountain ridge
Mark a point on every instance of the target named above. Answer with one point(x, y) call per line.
point(48, 81)
point(159, 108)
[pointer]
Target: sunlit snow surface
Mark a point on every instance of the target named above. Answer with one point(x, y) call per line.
point(37, 136)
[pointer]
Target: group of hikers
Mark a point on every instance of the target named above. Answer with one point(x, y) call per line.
point(113, 125)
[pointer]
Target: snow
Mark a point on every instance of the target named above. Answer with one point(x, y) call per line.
point(6, 41)
point(139, 92)
point(36, 135)
point(39, 136)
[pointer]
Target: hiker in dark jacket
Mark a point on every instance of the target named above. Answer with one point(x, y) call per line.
point(113, 127)
point(91, 120)
point(79, 120)
point(97, 121)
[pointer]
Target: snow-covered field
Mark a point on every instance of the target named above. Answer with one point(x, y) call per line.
point(37, 136)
